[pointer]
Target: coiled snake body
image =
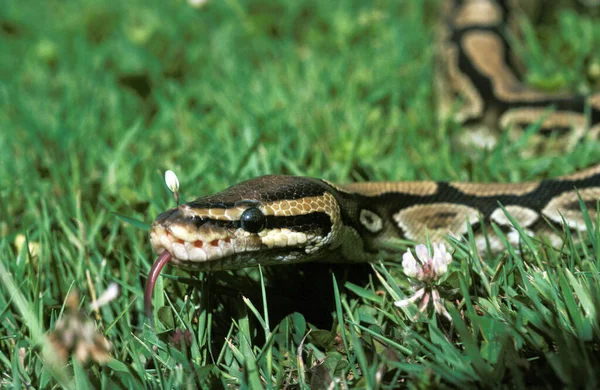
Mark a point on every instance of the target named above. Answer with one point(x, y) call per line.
point(285, 219)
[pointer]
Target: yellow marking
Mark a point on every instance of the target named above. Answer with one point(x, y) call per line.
point(524, 216)
point(281, 238)
point(550, 120)
point(370, 220)
point(594, 101)
point(566, 206)
point(216, 212)
point(184, 232)
point(495, 244)
point(379, 188)
point(583, 174)
point(284, 208)
point(219, 214)
point(483, 13)
point(461, 84)
point(234, 214)
point(281, 208)
point(435, 220)
point(494, 189)
point(594, 131)
point(487, 54)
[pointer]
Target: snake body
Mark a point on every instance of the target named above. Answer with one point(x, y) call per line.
point(476, 65)
point(287, 219)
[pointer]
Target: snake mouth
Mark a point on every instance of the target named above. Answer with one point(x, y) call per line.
point(178, 241)
point(198, 242)
point(189, 249)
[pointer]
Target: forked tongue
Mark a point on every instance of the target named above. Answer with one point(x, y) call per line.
point(158, 265)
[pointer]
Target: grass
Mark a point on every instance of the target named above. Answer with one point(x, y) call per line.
point(98, 98)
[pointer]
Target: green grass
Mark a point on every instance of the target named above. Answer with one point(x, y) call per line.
point(97, 99)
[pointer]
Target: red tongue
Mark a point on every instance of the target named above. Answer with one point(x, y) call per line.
point(158, 265)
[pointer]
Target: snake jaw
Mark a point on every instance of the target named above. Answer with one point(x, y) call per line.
point(191, 250)
point(213, 238)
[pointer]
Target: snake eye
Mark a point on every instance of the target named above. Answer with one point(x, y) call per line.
point(253, 220)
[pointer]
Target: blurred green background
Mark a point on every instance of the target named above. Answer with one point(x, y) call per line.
point(98, 98)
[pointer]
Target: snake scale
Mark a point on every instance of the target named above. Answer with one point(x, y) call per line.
point(285, 219)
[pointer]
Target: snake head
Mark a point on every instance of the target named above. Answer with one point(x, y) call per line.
point(266, 220)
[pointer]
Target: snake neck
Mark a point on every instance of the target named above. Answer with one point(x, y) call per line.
point(379, 216)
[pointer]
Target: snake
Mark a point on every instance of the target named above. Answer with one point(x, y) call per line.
point(279, 219)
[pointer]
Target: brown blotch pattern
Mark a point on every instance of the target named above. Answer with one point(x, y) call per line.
point(435, 220)
point(566, 206)
point(524, 216)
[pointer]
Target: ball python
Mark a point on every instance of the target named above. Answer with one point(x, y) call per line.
point(287, 219)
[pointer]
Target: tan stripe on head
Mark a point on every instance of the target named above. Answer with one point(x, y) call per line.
point(280, 208)
point(219, 214)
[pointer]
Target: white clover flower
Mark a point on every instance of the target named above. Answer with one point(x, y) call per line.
point(425, 271)
point(438, 305)
point(197, 3)
point(111, 292)
point(428, 268)
point(173, 183)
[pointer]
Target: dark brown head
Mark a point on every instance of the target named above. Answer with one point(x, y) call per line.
point(266, 220)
